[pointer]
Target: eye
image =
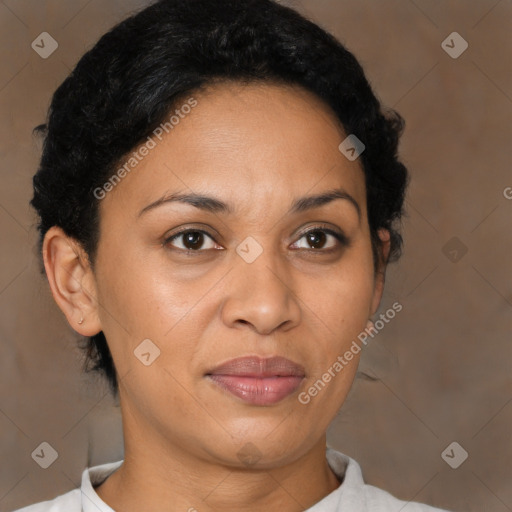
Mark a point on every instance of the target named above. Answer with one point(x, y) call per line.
point(315, 240)
point(192, 240)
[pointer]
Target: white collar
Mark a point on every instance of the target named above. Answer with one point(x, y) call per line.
point(94, 476)
point(345, 468)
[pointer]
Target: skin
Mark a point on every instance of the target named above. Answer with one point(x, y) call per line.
point(257, 147)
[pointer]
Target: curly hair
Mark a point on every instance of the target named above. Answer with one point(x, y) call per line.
point(126, 85)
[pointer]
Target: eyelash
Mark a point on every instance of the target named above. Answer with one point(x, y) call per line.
point(341, 238)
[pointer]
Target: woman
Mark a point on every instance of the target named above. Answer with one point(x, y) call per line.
point(218, 197)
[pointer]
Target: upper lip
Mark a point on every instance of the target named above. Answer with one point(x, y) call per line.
point(254, 366)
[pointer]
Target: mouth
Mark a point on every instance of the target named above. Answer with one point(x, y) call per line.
point(258, 381)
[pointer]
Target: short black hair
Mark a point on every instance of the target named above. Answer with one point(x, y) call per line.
point(126, 85)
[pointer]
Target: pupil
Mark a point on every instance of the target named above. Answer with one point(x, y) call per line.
point(315, 236)
point(193, 239)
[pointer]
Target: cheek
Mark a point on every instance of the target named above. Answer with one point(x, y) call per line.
point(343, 315)
point(143, 298)
point(340, 307)
point(342, 298)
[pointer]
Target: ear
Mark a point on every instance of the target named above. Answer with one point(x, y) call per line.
point(381, 269)
point(71, 281)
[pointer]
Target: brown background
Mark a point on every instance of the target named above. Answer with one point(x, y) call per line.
point(444, 362)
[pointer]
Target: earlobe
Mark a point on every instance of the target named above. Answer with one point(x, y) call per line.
point(71, 281)
point(385, 238)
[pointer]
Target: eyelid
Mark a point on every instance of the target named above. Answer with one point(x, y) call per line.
point(212, 233)
point(323, 227)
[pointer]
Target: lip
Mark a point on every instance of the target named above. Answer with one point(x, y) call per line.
point(258, 381)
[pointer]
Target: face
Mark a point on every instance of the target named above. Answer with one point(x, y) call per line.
point(255, 277)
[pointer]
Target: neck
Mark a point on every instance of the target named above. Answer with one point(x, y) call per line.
point(157, 475)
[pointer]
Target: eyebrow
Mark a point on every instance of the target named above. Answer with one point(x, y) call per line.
point(214, 205)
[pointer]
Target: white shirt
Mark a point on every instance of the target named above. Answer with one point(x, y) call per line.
point(353, 495)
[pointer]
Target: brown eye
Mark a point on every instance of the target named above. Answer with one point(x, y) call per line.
point(192, 240)
point(316, 240)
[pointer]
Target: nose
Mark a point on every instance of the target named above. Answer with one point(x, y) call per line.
point(261, 294)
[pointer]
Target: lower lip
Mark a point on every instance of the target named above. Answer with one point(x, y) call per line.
point(258, 391)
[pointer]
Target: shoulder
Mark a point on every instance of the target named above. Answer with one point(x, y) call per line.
point(69, 502)
point(378, 499)
point(355, 494)
point(72, 500)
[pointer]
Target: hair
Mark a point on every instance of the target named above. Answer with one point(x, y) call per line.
point(126, 85)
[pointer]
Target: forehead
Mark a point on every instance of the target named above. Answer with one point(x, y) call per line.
point(245, 141)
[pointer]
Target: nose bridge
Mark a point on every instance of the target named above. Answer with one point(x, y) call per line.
point(262, 293)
